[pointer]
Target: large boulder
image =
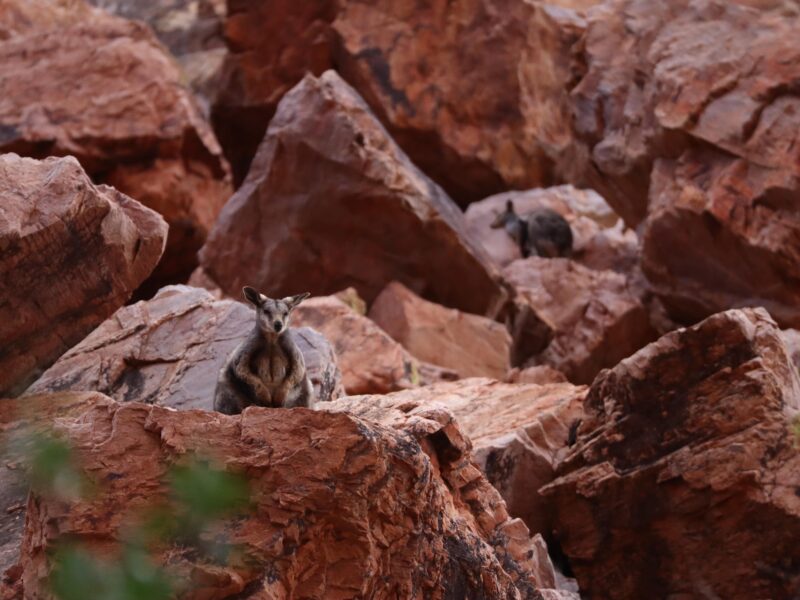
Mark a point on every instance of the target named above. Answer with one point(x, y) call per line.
point(683, 481)
point(475, 92)
point(367, 509)
point(127, 120)
point(71, 253)
point(191, 29)
point(331, 202)
point(684, 124)
point(272, 45)
point(169, 351)
point(370, 360)
point(470, 345)
point(595, 317)
point(519, 432)
point(600, 240)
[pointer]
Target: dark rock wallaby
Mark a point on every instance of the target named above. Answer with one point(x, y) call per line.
point(267, 369)
point(543, 232)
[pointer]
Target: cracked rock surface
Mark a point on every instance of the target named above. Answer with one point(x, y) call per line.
point(388, 509)
point(689, 449)
point(71, 253)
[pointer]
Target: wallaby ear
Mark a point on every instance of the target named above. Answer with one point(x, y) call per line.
point(509, 206)
point(252, 296)
point(293, 301)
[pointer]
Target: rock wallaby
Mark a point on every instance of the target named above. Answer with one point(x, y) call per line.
point(267, 368)
point(543, 232)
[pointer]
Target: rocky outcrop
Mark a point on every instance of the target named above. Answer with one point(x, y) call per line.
point(191, 29)
point(478, 122)
point(71, 253)
point(400, 502)
point(20, 422)
point(600, 240)
point(518, 432)
point(471, 345)
point(370, 360)
point(129, 122)
point(689, 449)
point(596, 319)
point(272, 45)
point(363, 216)
point(697, 141)
point(169, 351)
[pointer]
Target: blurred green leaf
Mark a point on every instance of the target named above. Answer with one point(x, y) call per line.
point(208, 493)
point(53, 471)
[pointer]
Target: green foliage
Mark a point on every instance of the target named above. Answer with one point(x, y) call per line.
point(199, 495)
point(52, 469)
point(77, 575)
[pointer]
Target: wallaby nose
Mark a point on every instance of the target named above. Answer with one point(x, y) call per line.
point(277, 325)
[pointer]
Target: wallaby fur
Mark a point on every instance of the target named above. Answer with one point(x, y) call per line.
point(543, 232)
point(267, 368)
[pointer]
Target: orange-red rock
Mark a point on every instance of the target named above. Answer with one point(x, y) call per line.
point(169, 351)
point(540, 374)
point(332, 202)
point(191, 29)
point(595, 317)
point(519, 432)
point(71, 253)
point(389, 510)
point(684, 120)
point(370, 360)
point(471, 345)
point(684, 478)
point(103, 89)
point(475, 92)
point(600, 240)
point(272, 45)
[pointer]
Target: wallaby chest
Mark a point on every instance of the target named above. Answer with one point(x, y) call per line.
point(270, 363)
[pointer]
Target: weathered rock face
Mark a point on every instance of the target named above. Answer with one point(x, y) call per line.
point(402, 503)
point(478, 121)
point(471, 345)
point(723, 233)
point(272, 45)
point(140, 133)
point(19, 421)
point(332, 202)
point(71, 253)
point(600, 240)
point(370, 360)
point(169, 351)
point(595, 318)
point(697, 140)
point(518, 432)
point(689, 449)
point(191, 29)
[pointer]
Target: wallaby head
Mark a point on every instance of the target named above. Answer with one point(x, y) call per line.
point(505, 218)
point(272, 315)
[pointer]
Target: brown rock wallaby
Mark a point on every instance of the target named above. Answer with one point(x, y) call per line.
point(543, 232)
point(266, 369)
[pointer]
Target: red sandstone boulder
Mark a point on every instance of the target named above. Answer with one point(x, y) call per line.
point(356, 512)
point(191, 29)
point(474, 92)
point(683, 122)
point(272, 45)
point(471, 345)
point(332, 202)
point(595, 317)
point(519, 432)
point(71, 253)
point(129, 122)
point(370, 360)
point(684, 478)
point(169, 351)
point(600, 240)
